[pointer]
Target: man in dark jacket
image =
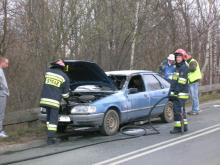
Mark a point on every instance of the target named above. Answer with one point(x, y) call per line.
point(179, 92)
point(56, 86)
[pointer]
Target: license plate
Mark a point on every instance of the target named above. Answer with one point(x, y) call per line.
point(64, 118)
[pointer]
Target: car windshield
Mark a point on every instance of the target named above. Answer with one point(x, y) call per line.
point(118, 80)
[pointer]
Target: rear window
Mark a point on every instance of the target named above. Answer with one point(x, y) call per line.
point(164, 82)
point(151, 82)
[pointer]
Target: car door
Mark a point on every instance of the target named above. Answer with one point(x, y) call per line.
point(139, 99)
point(156, 91)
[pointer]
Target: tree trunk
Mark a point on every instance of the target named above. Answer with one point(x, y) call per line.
point(134, 36)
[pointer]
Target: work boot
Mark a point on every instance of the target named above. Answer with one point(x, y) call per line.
point(175, 130)
point(185, 127)
point(51, 141)
point(64, 138)
point(193, 113)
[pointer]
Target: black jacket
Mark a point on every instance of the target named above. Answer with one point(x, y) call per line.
point(179, 84)
point(56, 86)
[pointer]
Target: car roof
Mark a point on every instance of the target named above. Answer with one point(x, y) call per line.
point(127, 72)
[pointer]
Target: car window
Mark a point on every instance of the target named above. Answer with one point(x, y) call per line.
point(151, 82)
point(118, 80)
point(164, 82)
point(137, 82)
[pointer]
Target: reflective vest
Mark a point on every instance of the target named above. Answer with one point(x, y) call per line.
point(196, 75)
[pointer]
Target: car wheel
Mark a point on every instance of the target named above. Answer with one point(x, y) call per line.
point(61, 128)
point(168, 114)
point(110, 123)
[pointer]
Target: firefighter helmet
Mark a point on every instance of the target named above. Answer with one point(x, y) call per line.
point(181, 52)
point(58, 62)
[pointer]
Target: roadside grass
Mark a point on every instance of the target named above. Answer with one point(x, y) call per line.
point(210, 96)
point(206, 97)
point(24, 132)
point(32, 131)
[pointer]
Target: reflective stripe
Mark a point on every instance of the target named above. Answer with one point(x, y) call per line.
point(182, 80)
point(66, 95)
point(175, 76)
point(55, 76)
point(170, 77)
point(52, 127)
point(52, 81)
point(177, 124)
point(173, 94)
point(185, 121)
point(66, 68)
point(51, 102)
point(183, 95)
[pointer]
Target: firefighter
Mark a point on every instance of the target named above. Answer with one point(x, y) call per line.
point(179, 91)
point(56, 86)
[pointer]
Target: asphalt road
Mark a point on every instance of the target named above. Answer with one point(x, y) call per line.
point(201, 145)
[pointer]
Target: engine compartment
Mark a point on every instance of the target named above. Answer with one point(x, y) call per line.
point(86, 97)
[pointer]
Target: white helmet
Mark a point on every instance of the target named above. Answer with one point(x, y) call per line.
point(171, 57)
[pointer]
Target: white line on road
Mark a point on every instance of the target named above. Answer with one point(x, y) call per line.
point(165, 146)
point(157, 146)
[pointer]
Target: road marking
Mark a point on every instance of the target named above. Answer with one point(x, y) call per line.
point(158, 146)
point(165, 146)
point(216, 105)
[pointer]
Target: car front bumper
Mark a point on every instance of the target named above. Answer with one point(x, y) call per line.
point(87, 120)
point(80, 120)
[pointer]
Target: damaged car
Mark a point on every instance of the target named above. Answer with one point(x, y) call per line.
point(106, 100)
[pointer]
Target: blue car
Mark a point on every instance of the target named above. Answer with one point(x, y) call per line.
point(107, 100)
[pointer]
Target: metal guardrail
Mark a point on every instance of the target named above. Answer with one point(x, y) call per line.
point(30, 115)
point(209, 88)
point(18, 117)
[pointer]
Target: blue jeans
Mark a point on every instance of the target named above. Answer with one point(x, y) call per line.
point(194, 93)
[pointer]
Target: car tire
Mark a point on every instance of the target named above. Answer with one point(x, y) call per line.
point(110, 123)
point(61, 128)
point(168, 114)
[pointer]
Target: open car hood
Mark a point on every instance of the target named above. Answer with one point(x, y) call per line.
point(86, 73)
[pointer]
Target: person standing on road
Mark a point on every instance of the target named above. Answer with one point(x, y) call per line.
point(56, 86)
point(168, 68)
point(179, 92)
point(194, 76)
point(4, 93)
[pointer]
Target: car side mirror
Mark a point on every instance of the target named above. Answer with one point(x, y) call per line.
point(132, 90)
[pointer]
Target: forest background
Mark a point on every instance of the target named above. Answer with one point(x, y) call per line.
point(115, 34)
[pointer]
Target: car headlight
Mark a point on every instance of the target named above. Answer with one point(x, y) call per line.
point(83, 109)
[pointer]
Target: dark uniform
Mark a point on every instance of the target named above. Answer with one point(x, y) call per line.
point(56, 87)
point(179, 94)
